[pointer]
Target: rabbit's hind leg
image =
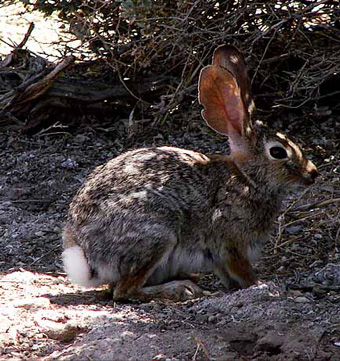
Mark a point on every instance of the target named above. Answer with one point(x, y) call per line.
point(137, 265)
point(175, 290)
point(128, 286)
point(132, 285)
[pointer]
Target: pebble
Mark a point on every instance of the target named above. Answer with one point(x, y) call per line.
point(294, 229)
point(211, 319)
point(80, 138)
point(61, 333)
point(28, 303)
point(302, 299)
point(270, 342)
point(69, 164)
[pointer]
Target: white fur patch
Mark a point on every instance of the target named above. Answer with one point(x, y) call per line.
point(76, 267)
point(189, 262)
point(179, 261)
point(131, 169)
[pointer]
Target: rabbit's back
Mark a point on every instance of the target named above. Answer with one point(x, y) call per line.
point(149, 180)
point(142, 204)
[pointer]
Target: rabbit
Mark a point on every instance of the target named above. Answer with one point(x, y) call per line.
point(147, 220)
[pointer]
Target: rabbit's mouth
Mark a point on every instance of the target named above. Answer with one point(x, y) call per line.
point(305, 179)
point(309, 178)
point(304, 175)
point(311, 173)
point(299, 181)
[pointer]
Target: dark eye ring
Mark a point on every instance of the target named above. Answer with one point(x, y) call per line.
point(278, 152)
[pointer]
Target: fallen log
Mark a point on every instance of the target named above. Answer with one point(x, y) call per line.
point(19, 100)
point(33, 90)
point(47, 89)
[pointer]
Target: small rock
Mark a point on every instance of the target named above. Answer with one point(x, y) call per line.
point(63, 334)
point(301, 299)
point(29, 303)
point(162, 357)
point(319, 291)
point(294, 229)
point(211, 319)
point(69, 164)
point(270, 343)
point(80, 138)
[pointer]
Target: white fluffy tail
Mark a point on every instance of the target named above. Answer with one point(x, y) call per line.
point(77, 268)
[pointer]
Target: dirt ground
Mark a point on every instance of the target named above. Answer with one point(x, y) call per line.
point(294, 314)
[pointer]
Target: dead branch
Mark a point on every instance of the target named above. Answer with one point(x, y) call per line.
point(26, 37)
point(10, 57)
point(307, 207)
point(16, 101)
point(42, 91)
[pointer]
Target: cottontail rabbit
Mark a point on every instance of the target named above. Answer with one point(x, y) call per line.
point(148, 217)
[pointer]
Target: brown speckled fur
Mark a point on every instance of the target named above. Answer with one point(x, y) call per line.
point(153, 214)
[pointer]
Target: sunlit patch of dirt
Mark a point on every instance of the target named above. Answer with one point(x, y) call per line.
point(14, 24)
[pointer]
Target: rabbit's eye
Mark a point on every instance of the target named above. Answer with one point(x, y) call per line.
point(278, 152)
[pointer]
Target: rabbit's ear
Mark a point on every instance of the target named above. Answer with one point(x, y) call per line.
point(220, 96)
point(228, 57)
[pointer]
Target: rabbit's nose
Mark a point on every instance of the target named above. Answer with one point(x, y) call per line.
point(311, 172)
point(314, 174)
